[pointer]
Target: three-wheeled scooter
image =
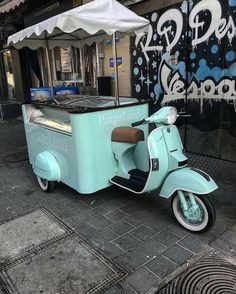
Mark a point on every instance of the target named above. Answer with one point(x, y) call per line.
point(90, 143)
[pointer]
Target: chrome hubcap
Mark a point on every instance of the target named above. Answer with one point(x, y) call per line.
point(194, 214)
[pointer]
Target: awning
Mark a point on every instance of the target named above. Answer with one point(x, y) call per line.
point(8, 5)
point(82, 25)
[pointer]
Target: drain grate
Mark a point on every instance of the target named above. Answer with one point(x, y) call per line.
point(70, 265)
point(41, 254)
point(26, 232)
point(211, 275)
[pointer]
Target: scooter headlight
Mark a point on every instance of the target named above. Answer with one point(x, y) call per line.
point(172, 115)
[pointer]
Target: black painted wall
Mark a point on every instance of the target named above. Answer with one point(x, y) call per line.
point(188, 59)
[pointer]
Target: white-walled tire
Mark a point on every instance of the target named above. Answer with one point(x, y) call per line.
point(204, 223)
point(45, 185)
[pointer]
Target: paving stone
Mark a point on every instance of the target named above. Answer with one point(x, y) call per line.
point(136, 219)
point(97, 212)
point(65, 213)
point(142, 280)
point(112, 250)
point(167, 238)
point(227, 241)
point(158, 225)
point(86, 230)
point(178, 254)
point(64, 204)
point(4, 195)
point(81, 218)
point(4, 214)
point(193, 243)
point(116, 215)
point(58, 195)
point(126, 242)
point(5, 203)
point(126, 289)
point(52, 208)
point(151, 248)
point(47, 201)
point(213, 233)
point(14, 209)
point(111, 205)
point(80, 207)
point(161, 266)
point(131, 208)
point(113, 290)
point(100, 222)
point(121, 227)
point(91, 201)
point(178, 230)
point(102, 236)
point(223, 245)
point(132, 259)
point(143, 232)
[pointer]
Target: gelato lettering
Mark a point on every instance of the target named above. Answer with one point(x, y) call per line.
point(106, 119)
point(45, 138)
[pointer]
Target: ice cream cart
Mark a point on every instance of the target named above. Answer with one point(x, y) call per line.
point(72, 143)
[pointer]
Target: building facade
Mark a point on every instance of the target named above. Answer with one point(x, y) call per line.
point(187, 59)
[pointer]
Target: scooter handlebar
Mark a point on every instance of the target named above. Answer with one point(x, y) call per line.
point(138, 123)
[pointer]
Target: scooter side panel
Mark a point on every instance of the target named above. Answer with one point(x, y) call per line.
point(190, 180)
point(174, 147)
point(158, 160)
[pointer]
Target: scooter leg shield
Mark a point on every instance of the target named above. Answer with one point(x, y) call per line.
point(188, 179)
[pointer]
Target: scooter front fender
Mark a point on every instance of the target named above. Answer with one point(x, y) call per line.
point(188, 179)
point(46, 167)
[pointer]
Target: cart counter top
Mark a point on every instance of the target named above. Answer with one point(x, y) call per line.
point(84, 103)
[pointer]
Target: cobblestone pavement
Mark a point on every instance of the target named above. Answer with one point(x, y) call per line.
point(139, 232)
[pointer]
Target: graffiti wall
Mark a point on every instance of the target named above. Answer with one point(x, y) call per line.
point(188, 59)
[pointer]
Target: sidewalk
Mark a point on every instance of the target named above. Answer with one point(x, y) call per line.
point(138, 232)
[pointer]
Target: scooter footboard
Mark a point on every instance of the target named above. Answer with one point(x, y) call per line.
point(188, 179)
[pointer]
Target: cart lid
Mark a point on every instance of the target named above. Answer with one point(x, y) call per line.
point(75, 27)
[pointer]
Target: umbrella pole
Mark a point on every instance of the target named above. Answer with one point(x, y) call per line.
point(115, 69)
point(49, 69)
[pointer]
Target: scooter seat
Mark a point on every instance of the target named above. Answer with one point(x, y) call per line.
point(127, 135)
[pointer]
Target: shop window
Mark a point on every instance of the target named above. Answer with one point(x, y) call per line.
point(9, 74)
point(67, 65)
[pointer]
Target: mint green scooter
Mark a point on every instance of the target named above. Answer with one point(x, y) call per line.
point(168, 170)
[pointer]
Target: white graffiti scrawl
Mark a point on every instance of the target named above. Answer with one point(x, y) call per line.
point(206, 69)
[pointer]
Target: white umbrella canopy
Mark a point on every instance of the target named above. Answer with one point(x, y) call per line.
point(76, 26)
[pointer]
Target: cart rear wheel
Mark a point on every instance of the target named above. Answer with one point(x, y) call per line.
point(45, 185)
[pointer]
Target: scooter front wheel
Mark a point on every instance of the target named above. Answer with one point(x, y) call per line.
point(45, 185)
point(196, 220)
